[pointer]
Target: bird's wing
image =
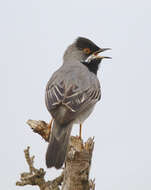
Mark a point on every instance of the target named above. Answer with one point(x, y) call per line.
point(54, 94)
point(74, 98)
point(77, 99)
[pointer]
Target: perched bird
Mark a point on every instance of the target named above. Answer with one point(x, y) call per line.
point(71, 94)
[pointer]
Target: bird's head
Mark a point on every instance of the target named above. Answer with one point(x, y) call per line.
point(83, 49)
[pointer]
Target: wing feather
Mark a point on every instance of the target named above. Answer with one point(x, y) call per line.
point(72, 97)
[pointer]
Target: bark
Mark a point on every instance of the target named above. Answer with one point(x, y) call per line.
point(75, 174)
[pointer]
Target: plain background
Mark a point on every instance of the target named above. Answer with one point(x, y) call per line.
point(33, 37)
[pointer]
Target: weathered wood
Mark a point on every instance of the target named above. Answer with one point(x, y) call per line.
point(75, 175)
point(77, 166)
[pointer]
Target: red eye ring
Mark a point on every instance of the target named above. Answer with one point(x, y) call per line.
point(87, 50)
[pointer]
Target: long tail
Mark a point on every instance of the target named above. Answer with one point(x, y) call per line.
point(58, 144)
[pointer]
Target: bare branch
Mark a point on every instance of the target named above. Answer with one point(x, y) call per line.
point(36, 176)
point(40, 127)
point(75, 175)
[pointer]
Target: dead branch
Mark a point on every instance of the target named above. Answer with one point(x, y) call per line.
point(75, 175)
point(36, 176)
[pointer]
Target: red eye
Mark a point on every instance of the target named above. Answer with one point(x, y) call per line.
point(87, 50)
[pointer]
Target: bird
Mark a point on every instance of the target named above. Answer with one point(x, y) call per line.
point(71, 95)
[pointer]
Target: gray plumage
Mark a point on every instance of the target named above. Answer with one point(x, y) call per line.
point(57, 147)
point(70, 97)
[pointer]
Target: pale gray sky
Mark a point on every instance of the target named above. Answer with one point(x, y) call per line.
point(33, 37)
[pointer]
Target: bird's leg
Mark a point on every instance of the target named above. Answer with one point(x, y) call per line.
point(80, 131)
point(49, 126)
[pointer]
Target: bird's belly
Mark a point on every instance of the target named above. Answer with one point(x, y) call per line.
point(84, 115)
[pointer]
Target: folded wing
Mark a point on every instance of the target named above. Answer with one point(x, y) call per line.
point(74, 98)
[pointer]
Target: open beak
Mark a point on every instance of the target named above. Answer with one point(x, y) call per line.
point(96, 55)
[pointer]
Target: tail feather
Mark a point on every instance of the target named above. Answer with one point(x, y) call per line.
point(58, 145)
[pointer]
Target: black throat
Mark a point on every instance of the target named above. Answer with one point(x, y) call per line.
point(93, 65)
